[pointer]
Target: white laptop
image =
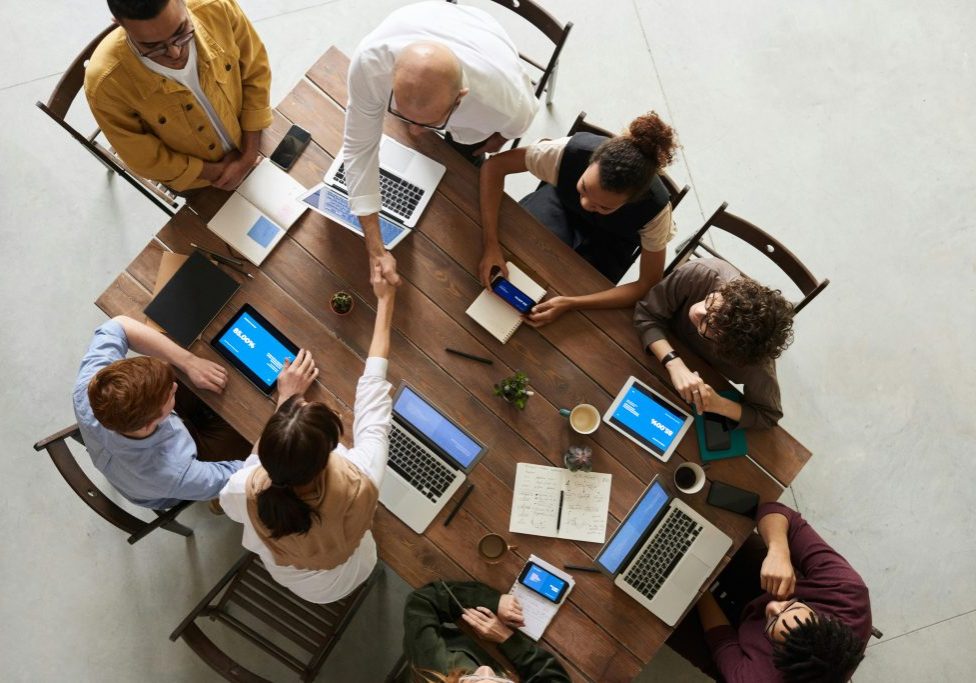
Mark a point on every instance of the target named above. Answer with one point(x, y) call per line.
point(663, 553)
point(407, 183)
point(648, 419)
point(430, 457)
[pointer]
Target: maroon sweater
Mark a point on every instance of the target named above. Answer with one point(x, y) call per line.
point(825, 582)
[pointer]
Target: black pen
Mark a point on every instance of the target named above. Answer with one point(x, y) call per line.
point(226, 260)
point(559, 516)
point(232, 267)
point(457, 507)
point(486, 361)
point(580, 568)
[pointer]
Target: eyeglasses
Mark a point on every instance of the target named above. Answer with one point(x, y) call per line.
point(492, 679)
point(440, 128)
point(176, 41)
point(707, 319)
point(793, 604)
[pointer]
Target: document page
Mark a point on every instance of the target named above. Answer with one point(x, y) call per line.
point(582, 513)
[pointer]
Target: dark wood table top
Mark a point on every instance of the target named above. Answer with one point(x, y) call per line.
point(600, 634)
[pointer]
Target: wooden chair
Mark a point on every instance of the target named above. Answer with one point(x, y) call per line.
point(550, 27)
point(763, 242)
point(57, 107)
point(64, 460)
point(250, 590)
point(580, 125)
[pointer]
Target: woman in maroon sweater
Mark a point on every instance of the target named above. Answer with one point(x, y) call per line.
point(810, 622)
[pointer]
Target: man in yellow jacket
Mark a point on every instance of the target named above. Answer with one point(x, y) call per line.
point(182, 90)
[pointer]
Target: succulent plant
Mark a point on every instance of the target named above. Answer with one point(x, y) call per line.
point(341, 302)
point(514, 389)
point(579, 458)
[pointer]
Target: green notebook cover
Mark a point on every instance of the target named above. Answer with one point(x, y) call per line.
point(738, 447)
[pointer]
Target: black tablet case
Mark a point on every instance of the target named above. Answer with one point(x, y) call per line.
point(191, 299)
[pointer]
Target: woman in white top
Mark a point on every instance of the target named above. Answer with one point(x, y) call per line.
point(305, 500)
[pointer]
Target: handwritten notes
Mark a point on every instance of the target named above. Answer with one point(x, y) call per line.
point(536, 503)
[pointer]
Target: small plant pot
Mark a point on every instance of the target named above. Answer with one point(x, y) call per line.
point(341, 303)
point(579, 459)
point(514, 390)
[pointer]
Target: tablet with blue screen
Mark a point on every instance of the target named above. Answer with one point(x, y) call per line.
point(648, 419)
point(253, 346)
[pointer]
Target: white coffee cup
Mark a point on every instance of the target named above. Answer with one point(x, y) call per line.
point(682, 476)
point(584, 418)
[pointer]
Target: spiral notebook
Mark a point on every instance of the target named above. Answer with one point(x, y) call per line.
point(497, 316)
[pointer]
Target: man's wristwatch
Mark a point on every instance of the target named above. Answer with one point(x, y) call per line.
point(671, 355)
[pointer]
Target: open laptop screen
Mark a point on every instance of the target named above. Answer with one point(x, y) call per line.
point(438, 429)
point(633, 529)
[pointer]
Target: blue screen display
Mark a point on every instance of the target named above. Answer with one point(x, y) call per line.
point(630, 532)
point(545, 583)
point(329, 201)
point(512, 294)
point(256, 348)
point(441, 431)
point(642, 415)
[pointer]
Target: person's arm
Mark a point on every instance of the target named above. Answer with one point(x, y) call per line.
point(204, 374)
point(236, 165)
point(530, 661)
point(762, 407)
point(204, 480)
point(492, 188)
point(255, 69)
point(776, 575)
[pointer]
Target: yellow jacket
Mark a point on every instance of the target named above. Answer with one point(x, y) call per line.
point(155, 124)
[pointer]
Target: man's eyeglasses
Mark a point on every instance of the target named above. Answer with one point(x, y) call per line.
point(707, 319)
point(176, 41)
point(439, 127)
point(792, 605)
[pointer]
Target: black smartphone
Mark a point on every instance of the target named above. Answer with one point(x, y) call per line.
point(733, 499)
point(518, 299)
point(543, 582)
point(290, 147)
point(717, 432)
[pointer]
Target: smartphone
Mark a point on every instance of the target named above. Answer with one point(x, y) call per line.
point(733, 499)
point(518, 299)
point(543, 582)
point(717, 433)
point(290, 147)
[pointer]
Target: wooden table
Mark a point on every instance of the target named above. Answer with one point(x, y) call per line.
point(600, 634)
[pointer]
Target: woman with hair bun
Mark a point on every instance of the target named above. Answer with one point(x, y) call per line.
point(305, 500)
point(601, 196)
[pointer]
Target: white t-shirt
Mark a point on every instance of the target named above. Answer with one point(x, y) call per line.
point(189, 78)
point(371, 442)
point(501, 97)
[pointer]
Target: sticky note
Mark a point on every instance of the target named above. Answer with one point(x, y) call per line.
point(263, 231)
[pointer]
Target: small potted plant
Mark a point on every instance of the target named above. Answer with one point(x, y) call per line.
point(578, 458)
point(341, 303)
point(514, 389)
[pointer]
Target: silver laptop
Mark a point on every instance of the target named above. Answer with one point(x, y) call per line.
point(430, 457)
point(407, 183)
point(662, 553)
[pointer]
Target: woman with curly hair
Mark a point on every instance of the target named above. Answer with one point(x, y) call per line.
point(736, 324)
point(601, 196)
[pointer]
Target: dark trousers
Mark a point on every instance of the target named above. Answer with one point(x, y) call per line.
point(467, 151)
point(215, 439)
point(738, 585)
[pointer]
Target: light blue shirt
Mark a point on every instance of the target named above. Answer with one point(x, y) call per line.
point(158, 471)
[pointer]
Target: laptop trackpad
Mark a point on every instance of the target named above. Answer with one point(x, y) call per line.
point(395, 157)
point(690, 574)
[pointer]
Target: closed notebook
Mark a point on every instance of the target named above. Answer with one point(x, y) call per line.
point(496, 315)
point(259, 213)
point(191, 299)
point(738, 445)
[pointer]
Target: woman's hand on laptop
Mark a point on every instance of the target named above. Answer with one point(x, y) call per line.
point(205, 374)
point(297, 376)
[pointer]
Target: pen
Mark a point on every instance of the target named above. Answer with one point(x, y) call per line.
point(233, 267)
point(486, 361)
point(226, 260)
point(457, 507)
point(559, 516)
point(580, 568)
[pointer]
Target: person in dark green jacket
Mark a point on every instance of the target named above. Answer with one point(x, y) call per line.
point(437, 651)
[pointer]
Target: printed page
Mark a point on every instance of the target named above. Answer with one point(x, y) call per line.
point(586, 504)
point(273, 192)
point(535, 501)
point(241, 225)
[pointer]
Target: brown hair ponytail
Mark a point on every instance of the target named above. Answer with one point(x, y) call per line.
point(630, 162)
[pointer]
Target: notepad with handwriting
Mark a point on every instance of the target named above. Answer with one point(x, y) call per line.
point(259, 213)
point(536, 503)
point(496, 315)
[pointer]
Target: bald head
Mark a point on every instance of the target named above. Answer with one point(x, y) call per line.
point(426, 81)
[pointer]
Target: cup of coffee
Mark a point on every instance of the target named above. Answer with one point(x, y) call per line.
point(584, 418)
point(491, 547)
point(689, 477)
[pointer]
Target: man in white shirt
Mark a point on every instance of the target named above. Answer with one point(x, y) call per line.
point(437, 66)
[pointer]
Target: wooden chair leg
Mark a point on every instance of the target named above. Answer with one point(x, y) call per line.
point(167, 520)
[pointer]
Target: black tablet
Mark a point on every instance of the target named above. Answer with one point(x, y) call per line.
point(252, 345)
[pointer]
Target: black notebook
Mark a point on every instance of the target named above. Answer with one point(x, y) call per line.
point(191, 299)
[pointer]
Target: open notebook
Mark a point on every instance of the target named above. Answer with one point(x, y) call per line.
point(554, 502)
point(497, 316)
point(259, 213)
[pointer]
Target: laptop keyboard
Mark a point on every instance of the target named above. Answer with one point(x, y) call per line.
point(397, 195)
point(677, 532)
point(413, 461)
point(338, 205)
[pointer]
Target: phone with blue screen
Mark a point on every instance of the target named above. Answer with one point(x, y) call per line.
point(543, 582)
point(518, 299)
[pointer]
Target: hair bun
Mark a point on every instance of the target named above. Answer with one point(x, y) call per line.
point(654, 138)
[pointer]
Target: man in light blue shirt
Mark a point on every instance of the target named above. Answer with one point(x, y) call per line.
point(124, 408)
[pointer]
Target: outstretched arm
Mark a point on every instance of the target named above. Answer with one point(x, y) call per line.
point(492, 187)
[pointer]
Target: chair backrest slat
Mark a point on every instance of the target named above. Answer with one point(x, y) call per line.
point(73, 78)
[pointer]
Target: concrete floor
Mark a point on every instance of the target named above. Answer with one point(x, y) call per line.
point(845, 129)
